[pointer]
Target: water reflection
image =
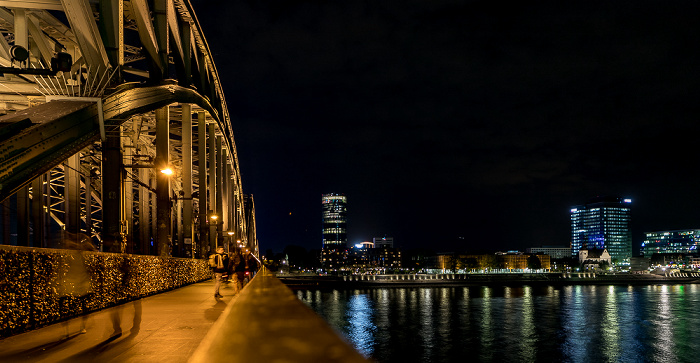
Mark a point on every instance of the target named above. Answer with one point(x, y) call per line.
point(663, 339)
point(361, 327)
point(611, 328)
point(519, 324)
point(427, 328)
point(528, 340)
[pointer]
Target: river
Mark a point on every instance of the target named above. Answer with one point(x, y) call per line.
point(654, 323)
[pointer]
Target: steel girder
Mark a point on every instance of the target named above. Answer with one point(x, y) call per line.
point(108, 46)
point(53, 131)
point(107, 51)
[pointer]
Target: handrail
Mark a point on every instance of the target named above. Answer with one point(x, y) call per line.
point(267, 323)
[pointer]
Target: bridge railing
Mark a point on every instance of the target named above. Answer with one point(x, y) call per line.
point(37, 285)
point(267, 323)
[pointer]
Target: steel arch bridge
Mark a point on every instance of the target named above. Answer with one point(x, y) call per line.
point(97, 98)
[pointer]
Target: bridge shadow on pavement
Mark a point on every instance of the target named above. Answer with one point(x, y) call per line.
point(166, 327)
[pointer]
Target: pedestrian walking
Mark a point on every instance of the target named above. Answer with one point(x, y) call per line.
point(219, 264)
point(252, 264)
point(74, 279)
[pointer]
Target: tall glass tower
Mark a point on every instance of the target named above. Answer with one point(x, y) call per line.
point(334, 219)
point(604, 222)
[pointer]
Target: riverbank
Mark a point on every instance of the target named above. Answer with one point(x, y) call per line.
point(304, 282)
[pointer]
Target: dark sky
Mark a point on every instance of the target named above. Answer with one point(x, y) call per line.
point(458, 124)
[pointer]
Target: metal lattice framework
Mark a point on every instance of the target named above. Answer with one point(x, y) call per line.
point(139, 70)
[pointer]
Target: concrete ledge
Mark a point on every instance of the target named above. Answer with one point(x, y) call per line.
point(267, 323)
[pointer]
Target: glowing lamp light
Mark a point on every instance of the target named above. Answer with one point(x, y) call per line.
point(230, 233)
point(628, 200)
point(214, 217)
point(359, 245)
point(167, 171)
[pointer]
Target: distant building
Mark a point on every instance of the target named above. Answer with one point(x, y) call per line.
point(366, 255)
point(334, 259)
point(499, 261)
point(552, 251)
point(334, 221)
point(381, 242)
point(676, 241)
point(592, 258)
point(667, 259)
point(640, 264)
point(603, 223)
point(387, 257)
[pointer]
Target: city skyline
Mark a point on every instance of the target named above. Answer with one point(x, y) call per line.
point(603, 223)
point(452, 124)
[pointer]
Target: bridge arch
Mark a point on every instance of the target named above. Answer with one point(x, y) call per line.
point(126, 102)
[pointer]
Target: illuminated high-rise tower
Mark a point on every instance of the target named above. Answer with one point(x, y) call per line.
point(334, 219)
point(603, 222)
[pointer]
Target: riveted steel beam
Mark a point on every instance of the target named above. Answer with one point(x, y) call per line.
point(82, 21)
point(112, 29)
point(147, 34)
point(62, 128)
point(33, 4)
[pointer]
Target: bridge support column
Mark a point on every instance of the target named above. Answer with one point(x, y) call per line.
point(202, 158)
point(226, 226)
point(144, 213)
point(177, 226)
point(23, 216)
point(112, 181)
point(128, 207)
point(186, 242)
point(230, 187)
point(88, 206)
point(38, 212)
point(153, 223)
point(5, 213)
point(212, 185)
point(72, 195)
point(163, 219)
point(219, 193)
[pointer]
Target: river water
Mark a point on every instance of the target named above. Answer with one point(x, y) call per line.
point(655, 323)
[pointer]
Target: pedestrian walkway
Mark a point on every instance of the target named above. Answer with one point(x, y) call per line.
point(166, 327)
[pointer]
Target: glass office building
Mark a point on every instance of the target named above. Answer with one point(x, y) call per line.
point(603, 223)
point(677, 241)
point(334, 220)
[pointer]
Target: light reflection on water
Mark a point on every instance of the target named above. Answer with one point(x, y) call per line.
point(360, 320)
point(517, 324)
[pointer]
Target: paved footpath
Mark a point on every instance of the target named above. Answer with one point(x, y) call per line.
point(162, 328)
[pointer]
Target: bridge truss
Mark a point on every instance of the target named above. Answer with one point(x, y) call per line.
point(111, 93)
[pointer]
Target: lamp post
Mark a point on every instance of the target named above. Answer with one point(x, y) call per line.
point(212, 230)
point(230, 239)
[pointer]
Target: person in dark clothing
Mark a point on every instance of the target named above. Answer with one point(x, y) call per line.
point(240, 266)
point(220, 265)
point(252, 264)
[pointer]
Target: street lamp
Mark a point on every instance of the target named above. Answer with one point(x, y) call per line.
point(230, 238)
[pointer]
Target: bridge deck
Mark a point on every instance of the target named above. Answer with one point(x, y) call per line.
point(168, 328)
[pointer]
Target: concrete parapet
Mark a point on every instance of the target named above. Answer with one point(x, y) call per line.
point(267, 323)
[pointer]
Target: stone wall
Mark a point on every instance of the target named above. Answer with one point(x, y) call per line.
point(41, 286)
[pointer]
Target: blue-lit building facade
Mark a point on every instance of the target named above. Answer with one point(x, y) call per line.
point(603, 223)
point(334, 215)
point(677, 241)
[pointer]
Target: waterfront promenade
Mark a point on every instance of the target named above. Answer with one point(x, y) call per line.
point(166, 327)
point(299, 281)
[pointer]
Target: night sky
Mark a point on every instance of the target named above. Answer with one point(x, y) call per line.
point(460, 125)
